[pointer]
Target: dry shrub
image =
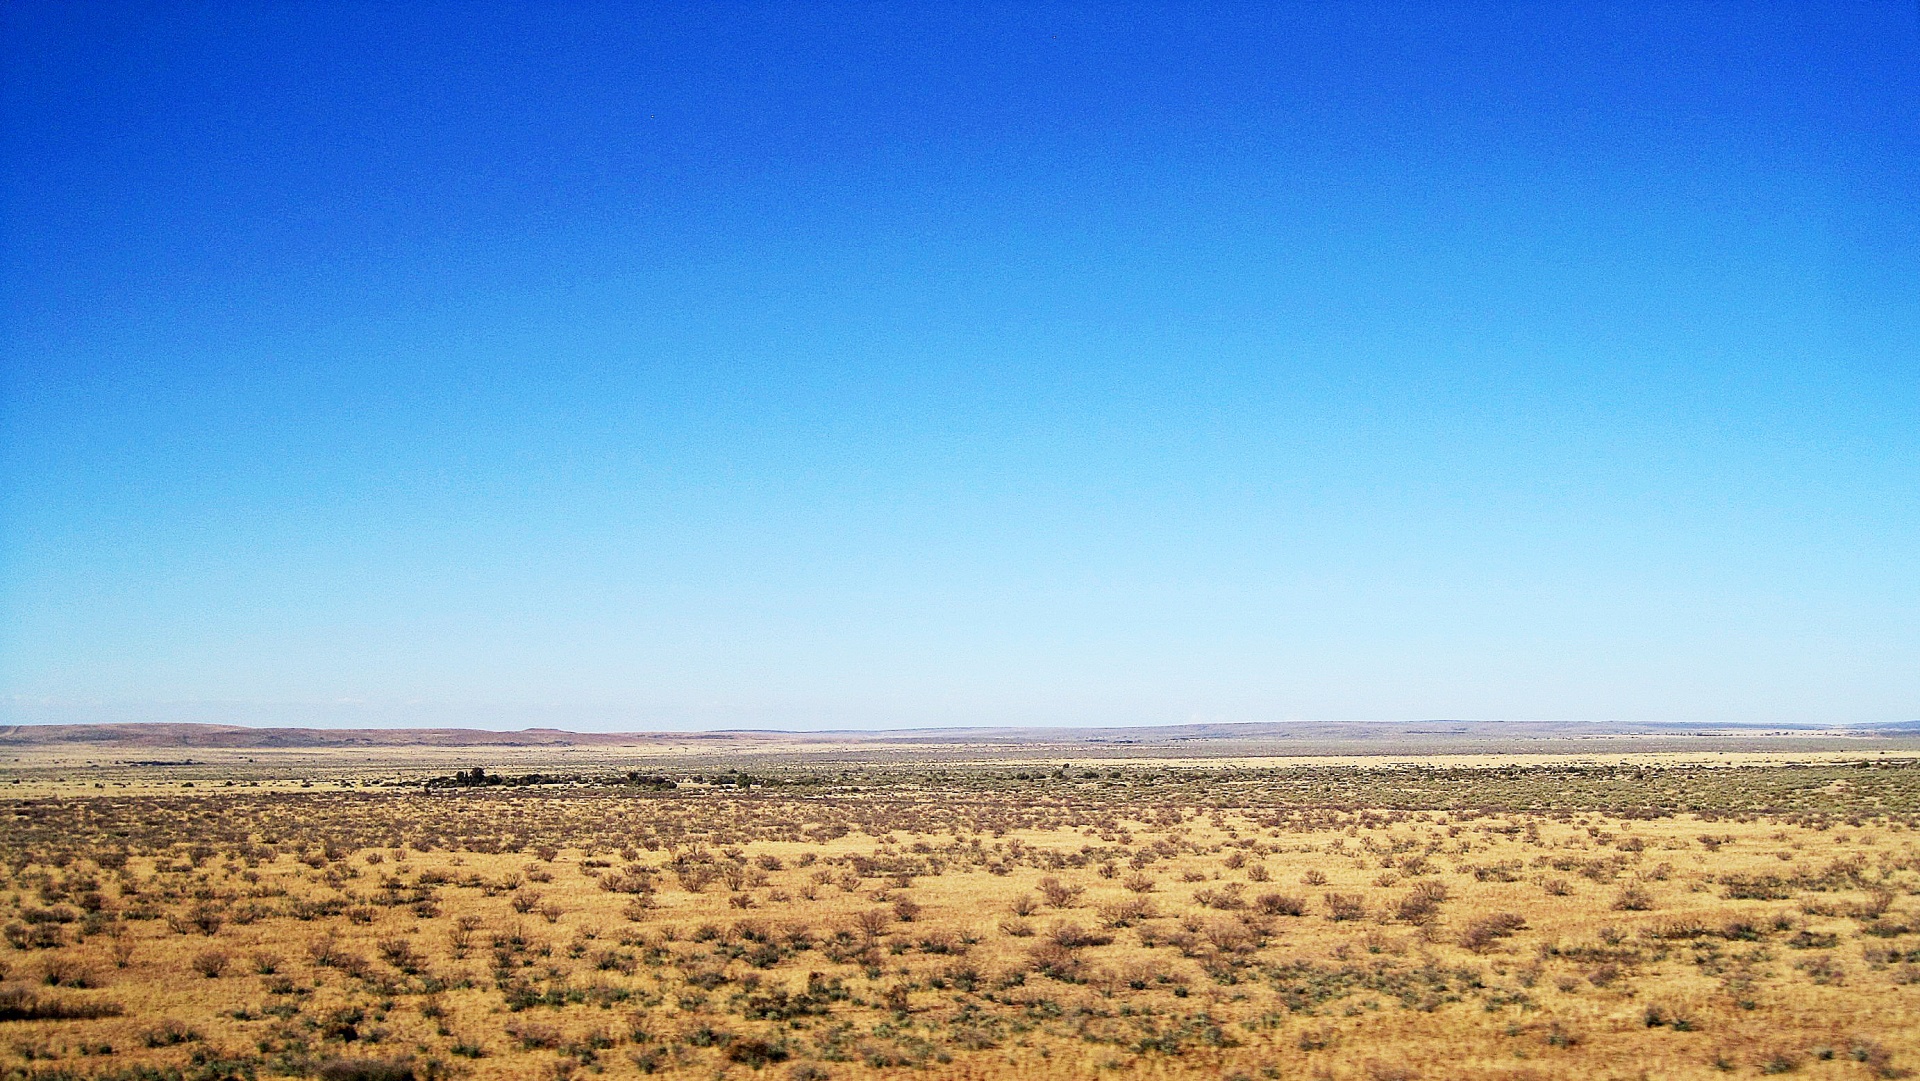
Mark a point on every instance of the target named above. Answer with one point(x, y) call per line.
point(1345, 906)
point(1482, 933)
point(20, 1004)
point(1056, 961)
point(1227, 898)
point(755, 1051)
point(695, 877)
point(941, 942)
point(1875, 1057)
point(1633, 899)
point(632, 880)
point(1059, 894)
point(1230, 936)
point(1280, 904)
point(400, 953)
point(62, 971)
point(169, 1033)
point(1073, 936)
point(534, 1034)
point(1422, 903)
point(364, 1069)
point(211, 963)
point(1126, 912)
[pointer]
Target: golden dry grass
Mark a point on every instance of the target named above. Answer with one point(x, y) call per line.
point(988, 924)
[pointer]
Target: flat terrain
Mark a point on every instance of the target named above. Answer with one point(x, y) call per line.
point(802, 909)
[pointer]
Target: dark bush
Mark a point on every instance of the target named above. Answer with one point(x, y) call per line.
point(756, 1052)
point(20, 1004)
point(364, 1069)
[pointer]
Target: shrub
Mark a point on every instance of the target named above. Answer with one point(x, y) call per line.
point(1484, 932)
point(1280, 904)
point(43, 936)
point(533, 1035)
point(1072, 936)
point(20, 1004)
point(1059, 894)
point(61, 971)
point(1633, 899)
point(756, 1052)
point(1876, 1058)
point(1422, 903)
point(364, 1069)
point(1345, 906)
point(695, 877)
point(1056, 961)
point(211, 963)
point(1230, 936)
point(1126, 912)
point(1226, 899)
point(400, 953)
point(169, 1033)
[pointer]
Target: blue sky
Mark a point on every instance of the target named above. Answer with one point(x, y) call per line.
point(823, 367)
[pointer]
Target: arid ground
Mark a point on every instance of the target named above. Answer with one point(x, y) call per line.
point(850, 908)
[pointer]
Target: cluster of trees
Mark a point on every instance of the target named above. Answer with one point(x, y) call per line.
point(478, 777)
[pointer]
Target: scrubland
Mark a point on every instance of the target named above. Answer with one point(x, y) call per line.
point(989, 922)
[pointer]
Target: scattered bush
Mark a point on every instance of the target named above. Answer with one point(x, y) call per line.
point(364, 1069)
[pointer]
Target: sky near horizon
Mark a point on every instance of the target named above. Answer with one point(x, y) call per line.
point(816, 366)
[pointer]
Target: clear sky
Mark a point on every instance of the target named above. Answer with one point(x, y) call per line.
point(621, 366)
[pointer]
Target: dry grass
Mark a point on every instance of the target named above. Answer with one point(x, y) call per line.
point(946, 922)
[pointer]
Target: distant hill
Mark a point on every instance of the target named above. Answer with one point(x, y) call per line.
point(239, 736)
point(181, 735)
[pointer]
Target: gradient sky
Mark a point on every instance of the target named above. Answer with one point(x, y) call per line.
point(592, 366)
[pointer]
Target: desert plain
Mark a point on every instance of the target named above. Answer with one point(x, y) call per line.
point(1367, 904)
